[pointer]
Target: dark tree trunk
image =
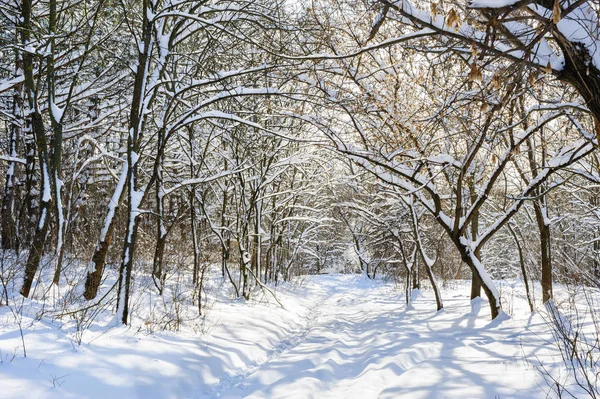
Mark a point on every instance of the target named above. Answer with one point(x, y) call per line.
point(161, 240)
point(523, 268)
point(161, 230)
point(92, 282)
point(195, 245)
point(8, 218)
point(41, 230)
point(475, 286)
point(475, 279)
point(124, 284)
point(37, 127)
point(57, 142)
point(467, 257)
point(96, 267)
point(416, 282)
point(27, 211)
point(134, 139)
point(37, 247)
point(545, 249)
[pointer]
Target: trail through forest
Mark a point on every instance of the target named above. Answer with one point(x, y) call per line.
point(364, 343)
point(177, 177)
point(338, 336)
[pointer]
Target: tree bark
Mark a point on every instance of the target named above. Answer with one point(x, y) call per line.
point(195, 246)
point(96, 267)
point(429, 263)
point(9, 213)
point(472, 261)
point(545, 249)
point(37, 126)
point(475, 280)
point(161, 234)
point(523, 268)
point(57, 140)
point(136, 119)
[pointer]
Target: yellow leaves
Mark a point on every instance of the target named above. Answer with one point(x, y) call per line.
point(433, 8)
point(531, 79)
point(540, 28)
point(548, 68)
point(496, 81)
point(452, 19)
point(474, 50)
point(475, 74)
point(485, 107)
point(556, 12)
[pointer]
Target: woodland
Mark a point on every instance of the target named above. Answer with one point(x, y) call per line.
point(153, 150)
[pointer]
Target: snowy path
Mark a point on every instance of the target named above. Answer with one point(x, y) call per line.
point(340, 336)
point(365, 344)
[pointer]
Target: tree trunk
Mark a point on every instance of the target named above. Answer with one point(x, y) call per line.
point(133, 202)
point(416, 281)
point(475, 280)
point(161, 235)
point(408, 269)
point(429, 263)
point(544, 229)
point(475, 286)
point(134, 138)
point(96, 267)
point(195, 245)
point(37, 127)
point(29, 208)
point(39, 239)
point(258, 239)
point(200, 285)
point(8, 219)
point(523, 268)
point(192, 201)
point(434, 285)
point(474, 263)
point(56, 116)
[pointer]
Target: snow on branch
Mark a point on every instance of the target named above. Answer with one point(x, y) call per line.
point(199, 180)
point(13, 159)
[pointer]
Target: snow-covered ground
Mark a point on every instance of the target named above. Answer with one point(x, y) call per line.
point(339, 336)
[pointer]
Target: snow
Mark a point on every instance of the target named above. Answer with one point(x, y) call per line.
point(541, 52)
point(581, 26)
point(199, 180)
point(7, 84)
point(578, 26)
point(60, 215)
point(13, 159)
point(485, 277)
point(114, 202)
point(444, 159)
point(491, 3)
point(46, 182)
point(338, 336)
point(56, 111)
point(42, 218)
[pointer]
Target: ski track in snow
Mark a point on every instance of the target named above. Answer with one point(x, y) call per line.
point(364, 343)
point(286, 345)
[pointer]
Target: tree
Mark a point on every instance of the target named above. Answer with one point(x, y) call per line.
point(522, 32)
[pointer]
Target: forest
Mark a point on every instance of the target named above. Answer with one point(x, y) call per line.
point(161, 159)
